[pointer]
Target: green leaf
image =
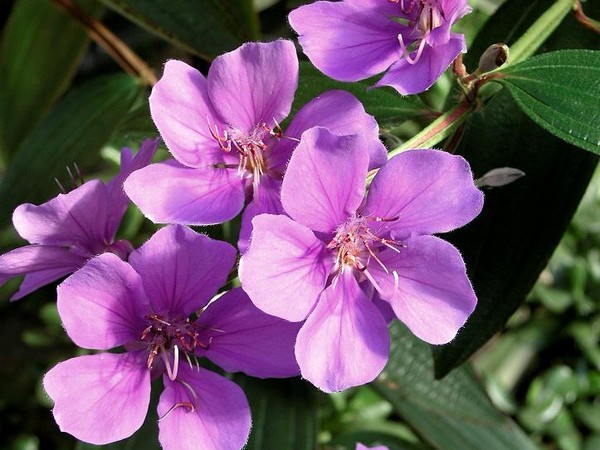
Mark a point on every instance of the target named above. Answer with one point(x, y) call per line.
point(284, 413)
point(204, 27)
point(73, 132)
point(510, 243)
point(386, 105)
point(558, 91)
point(371, 439)
point(453, 413)
point(33, 75)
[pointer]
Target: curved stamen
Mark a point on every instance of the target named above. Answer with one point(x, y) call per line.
point(405, 52)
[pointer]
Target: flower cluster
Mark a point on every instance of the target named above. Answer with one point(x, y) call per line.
point(328, 259)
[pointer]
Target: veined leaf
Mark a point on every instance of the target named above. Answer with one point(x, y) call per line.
point(510, 243)
point(560, 92)
point(453, 413)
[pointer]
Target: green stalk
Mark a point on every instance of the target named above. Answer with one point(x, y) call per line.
point(539, 31)
point(437, 130)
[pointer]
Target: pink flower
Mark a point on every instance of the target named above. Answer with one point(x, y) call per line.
point(223, 132)
point(409, 40)
point(341, 260)
point(71, 228)
point(148, 308)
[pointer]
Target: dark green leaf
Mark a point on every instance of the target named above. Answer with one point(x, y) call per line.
point(73, 132)
point(453, 413)
point(33, 75)
point(558, 91)
point(385, 104)
point(509, 244)
point(284, 413)
point(204, 27)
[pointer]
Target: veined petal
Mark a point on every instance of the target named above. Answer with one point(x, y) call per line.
point(285, 268)
point(345, 341)
point(430, 191)
point(268, 201)
point(99, 398)
point(245, 339)
point(325, 180)
point(103, 304)
point(181, 269)
point(342, 114)
point(349, 41)
point(168, 192)
point(41, 265)
point(76, 218)
point(432, 294)
point(201, 409)
point(184, 115)
point(254, 84)
point(117, 200)
point(415, 78)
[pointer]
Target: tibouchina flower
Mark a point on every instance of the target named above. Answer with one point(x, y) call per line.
point(360, 446)
point(147, 306)
point(71, 228)
point(223, 131)
point(338, 253)
point(410, 40)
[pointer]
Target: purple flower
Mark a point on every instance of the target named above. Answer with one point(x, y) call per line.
point(223, 131)
point(360, 446)
point(147, 307)
point(71, 228)
point(338, 254)
point(410, 40)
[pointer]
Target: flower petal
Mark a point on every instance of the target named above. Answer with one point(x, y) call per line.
point(117, 200)
point(348, 41)
point(76, 218)
point(219, 420)
point(415, 78)
point(433, 295)
point(430, 191)
point(184, 115)
point(99, 398)
point(168, 192)
point(325, 180)
point(103, 304)
point(342, 114)
point(41, 265)
point(268, 201)
point(254, 84)
point(285, 268)
point(181, 269)
point(243, 338)
point(345, 341)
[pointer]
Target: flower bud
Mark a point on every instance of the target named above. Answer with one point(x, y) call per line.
point(494, 56)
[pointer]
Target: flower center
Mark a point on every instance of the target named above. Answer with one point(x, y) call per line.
point(166, 338)
point(355, 244)
point(425, 16)
point(252, 149)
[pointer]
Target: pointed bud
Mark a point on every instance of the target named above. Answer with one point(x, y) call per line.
point(500, 176)
point(494, 56)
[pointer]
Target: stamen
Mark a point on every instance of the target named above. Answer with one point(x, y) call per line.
point(405, 52)
point(187, 405)
point(175, 362)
